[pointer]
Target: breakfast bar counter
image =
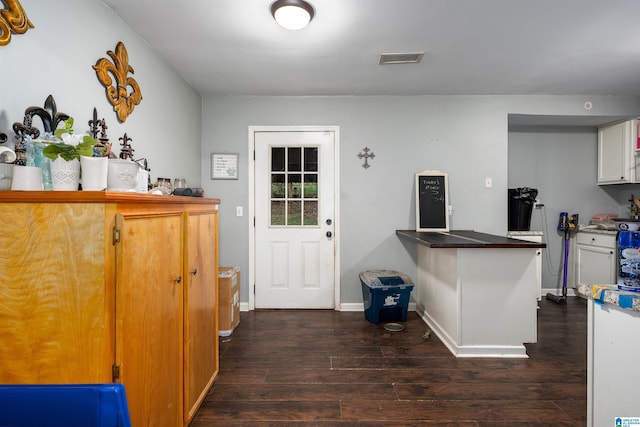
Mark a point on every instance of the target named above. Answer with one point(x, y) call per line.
point(477, 291)
point(465, 239)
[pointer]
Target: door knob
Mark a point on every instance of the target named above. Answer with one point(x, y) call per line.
point(329, 234)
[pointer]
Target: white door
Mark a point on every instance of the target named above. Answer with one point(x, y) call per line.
point(294, 219)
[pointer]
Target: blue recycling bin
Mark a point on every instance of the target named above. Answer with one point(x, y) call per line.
point(385, 294)
point(64, 405)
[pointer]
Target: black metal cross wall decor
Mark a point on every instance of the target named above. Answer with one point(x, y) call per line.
point(368, 154)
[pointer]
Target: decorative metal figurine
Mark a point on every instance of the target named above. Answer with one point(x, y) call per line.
point(21, 130)
point(100, 126)
point(93, 124)
point(126, 152)
point(50, 117)
point(103, 140)
point(366, 156)
point(118, 93)
point(13, 19)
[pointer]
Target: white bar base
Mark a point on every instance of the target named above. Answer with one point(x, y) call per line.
point(508, 351)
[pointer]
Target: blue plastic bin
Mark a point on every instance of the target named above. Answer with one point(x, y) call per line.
point(385, 294)
point(64, 405)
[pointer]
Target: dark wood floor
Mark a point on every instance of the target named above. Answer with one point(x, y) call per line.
point(326, 368)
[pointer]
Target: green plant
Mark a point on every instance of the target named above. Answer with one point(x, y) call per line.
point(72, 146)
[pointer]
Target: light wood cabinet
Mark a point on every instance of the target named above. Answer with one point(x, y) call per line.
point(101, 287)
point(201, 318)
point(148, 316)
point(617, 153)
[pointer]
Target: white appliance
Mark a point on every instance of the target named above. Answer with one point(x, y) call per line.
point(536, 237)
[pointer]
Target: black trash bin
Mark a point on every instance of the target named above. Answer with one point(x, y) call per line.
point(521, 201)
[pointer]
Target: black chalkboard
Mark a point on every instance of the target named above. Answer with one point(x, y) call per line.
point(432, 201)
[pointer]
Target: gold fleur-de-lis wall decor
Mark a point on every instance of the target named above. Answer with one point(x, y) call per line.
point(123, 92)
point(13, 19)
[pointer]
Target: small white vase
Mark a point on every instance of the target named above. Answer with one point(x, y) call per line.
point(94, 173)
point(65, 175)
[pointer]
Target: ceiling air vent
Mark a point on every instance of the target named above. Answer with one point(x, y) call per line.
point(401, 58)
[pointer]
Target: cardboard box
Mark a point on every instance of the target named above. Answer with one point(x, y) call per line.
point(229, 304)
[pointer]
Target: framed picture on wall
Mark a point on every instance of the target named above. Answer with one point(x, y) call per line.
point(224, 166)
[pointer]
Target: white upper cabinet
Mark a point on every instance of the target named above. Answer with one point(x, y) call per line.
point(617, 153)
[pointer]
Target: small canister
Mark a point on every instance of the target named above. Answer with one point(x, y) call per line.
point(143, 181)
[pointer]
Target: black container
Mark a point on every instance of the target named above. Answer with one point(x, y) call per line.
point(521, 201)
point(192, 192)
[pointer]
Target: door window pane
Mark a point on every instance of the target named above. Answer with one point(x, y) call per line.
point(294, 186)
point(310, 186)
point(294, 213)
point(277, 159)
point(277, 186)
point(310, 213)
point(294, 161)
point(278, 216)
point(311, 159)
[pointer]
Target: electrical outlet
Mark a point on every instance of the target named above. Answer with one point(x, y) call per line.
point(450, 210)
point(488, 182)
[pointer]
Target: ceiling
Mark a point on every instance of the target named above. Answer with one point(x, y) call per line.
point(471, 47)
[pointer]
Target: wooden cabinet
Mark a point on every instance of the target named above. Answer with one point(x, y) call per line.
point(200, 316)
point(617, 153)
point(56, 295)
point(101, 287)
point(149, 300)
point(595, 259)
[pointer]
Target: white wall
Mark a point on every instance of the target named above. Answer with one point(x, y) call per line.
point(466, 136)
point(561, 163)
point(56, 58)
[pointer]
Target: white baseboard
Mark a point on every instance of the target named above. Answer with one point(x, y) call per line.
point(570, 291)
point(355, 306)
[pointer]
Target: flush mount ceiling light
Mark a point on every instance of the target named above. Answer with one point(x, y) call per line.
point(292, 14)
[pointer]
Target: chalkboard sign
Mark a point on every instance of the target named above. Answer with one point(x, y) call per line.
point(432, 201)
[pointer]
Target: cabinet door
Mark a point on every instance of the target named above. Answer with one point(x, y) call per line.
point(149, 317)
point(201, 315)
point(53, 309)
point(614, 153)
point(595, 265)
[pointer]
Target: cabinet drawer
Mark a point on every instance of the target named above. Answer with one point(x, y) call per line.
point(604, 240)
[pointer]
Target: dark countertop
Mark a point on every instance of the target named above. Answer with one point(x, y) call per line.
point(468, 239)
